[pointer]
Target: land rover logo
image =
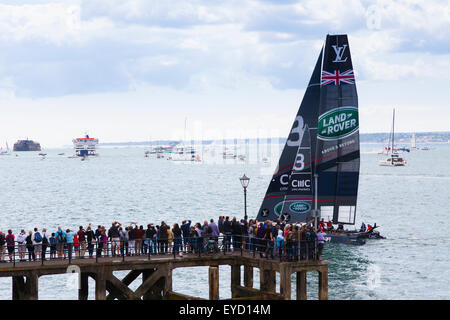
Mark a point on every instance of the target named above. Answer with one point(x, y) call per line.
point(277, 209)
point(300, 207)
point(338, 123)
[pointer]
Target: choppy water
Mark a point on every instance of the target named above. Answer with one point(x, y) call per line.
point(410, 204)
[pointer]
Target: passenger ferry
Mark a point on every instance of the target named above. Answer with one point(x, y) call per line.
point(85, 146)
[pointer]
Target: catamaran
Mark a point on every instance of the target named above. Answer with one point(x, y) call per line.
point(318, 170)
point(394, 160)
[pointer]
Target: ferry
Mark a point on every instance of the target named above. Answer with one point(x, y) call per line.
point(85, 146)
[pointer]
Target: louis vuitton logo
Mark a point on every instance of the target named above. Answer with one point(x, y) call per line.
point(339, 53)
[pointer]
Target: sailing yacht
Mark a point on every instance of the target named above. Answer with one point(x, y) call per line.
point(183, 152)
point(413, 141)
point(394, 160)
point(318, 170)
point(6, 152)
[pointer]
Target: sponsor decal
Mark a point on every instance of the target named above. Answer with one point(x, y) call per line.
point(338, 123)
point(277, 209)
point(337, 77)
point(305, 183)
point(339, 53)
point(300, 207)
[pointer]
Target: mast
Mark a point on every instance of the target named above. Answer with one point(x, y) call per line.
point(393, 130)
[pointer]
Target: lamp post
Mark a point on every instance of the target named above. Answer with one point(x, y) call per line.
point(244, 182)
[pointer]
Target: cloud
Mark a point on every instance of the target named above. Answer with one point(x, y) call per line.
point(65, 47)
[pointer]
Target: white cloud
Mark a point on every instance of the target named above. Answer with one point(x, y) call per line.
point(64, 49)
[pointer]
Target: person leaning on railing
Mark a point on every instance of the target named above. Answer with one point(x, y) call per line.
point(30, 246)
point(21, 243)
point(320, 242)
point(10, 244)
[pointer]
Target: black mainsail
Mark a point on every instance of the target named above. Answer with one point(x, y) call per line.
point(297, 204)
point(307, 114)
point(337, 152)
point(330, 110)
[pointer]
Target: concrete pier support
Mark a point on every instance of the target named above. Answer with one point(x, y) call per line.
point(25, 287)
point(18, 286)
point(285, 281)
point(248, 276)
point(301, 285)
point(323, 285)
point(83, 290)
point(100, 286)
point(213, 278)
point(235, 279)
point(267, 280)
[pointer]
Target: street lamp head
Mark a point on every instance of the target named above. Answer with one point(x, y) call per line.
point(244, 181)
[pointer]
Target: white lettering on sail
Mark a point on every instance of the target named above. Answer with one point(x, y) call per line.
point(299, 162)
point(297, 129)
point(301, 183)
point(339, 53)
point(282, 181)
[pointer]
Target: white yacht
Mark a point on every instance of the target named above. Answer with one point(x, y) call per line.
point(393, 161)
point(5, 152)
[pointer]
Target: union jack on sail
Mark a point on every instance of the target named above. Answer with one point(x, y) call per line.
point(337, 77)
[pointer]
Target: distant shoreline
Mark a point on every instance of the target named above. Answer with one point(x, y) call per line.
point(400, 137)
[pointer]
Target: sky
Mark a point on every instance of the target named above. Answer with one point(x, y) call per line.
point(140, 70)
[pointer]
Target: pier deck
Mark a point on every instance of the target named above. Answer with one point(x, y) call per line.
point(157, 271)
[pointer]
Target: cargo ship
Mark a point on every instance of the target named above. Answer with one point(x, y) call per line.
point(26, 145)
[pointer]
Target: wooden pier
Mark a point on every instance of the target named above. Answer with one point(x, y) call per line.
point(157, 272)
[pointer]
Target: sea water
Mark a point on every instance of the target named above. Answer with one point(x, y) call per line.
point(409, 204)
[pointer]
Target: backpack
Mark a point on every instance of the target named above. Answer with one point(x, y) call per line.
point(61, 237)
point(37, 237)
point(10, 240)
point(45, 240)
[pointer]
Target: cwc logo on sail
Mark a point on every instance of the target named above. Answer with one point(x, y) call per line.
point(338, 123)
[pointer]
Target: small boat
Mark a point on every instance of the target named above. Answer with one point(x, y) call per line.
point(5, 152)
point(425, 148)
point(42, 154)
point(183, 153)
point(228, 155)
point(394, 160)
point(61, 154)
point(413, 141)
